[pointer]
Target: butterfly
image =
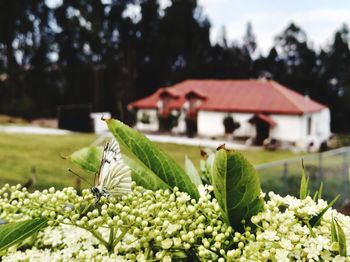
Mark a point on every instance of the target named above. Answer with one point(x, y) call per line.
point(114, 176)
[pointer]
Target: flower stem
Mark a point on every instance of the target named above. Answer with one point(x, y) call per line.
point(111, 240)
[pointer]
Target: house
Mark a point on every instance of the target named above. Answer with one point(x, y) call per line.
point(260, 109)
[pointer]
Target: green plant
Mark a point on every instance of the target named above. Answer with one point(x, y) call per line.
point(236, 187)
point(172, 213)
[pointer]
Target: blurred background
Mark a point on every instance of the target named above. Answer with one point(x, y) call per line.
point(100, 55)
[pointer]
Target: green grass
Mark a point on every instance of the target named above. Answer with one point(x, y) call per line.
point(20, 154)
point(255, 156)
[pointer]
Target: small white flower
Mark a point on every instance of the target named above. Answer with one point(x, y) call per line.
point(270, 235)
point(286, 244)
point(167, 243)
point(282, 255)
point(171, 228)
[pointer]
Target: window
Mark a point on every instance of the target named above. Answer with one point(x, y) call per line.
point(309, 125)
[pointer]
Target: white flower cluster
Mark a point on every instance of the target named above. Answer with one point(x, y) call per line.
point(282, 235)
point(144, 224)
point(167, 225)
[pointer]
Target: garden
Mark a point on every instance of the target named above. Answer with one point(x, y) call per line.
point(144, 206)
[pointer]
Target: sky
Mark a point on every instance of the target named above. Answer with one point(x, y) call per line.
point(318, 18)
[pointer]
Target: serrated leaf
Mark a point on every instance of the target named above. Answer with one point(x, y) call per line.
point(236, 187)
point(143, 176)
point(192, 172)
point(13, 233)
point(315, 221)
point(341, 240)
point(88, 158)
point(152, 157)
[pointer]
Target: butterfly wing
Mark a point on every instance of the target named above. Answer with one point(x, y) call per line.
point(118, 180)
point(111, 154)
point(114, 174)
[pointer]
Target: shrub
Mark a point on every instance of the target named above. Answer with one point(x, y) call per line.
point(145, 118)
point(230, 125)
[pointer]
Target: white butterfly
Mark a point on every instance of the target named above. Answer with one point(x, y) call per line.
point(114, 176)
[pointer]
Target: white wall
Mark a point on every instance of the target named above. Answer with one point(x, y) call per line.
point(181, 124)
point(154, 123)
point(210, 124)
point(323, 124)
point(320, 127)
point(289, 128)
point(100, 125)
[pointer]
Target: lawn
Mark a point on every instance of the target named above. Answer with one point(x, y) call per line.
point(21, 155)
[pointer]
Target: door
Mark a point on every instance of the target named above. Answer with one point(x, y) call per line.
point(262, 131)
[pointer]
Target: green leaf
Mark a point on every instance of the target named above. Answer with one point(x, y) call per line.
point(334, 233)
point(13, 233)
point(320, 191)
point(153, 157)
point(315, 197)
point(206, 167)
point(236, 187)
point(312, 233)
point(143, 176)
point(192, 172)
point(341, 240)
point(304, 184)
point(315, 221)
point(88, 158)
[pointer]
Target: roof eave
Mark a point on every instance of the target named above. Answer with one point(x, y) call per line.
point(277, 112)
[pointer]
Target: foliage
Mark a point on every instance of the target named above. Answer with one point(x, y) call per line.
point(182, 229)
point(304, 184)
point(192, 172)
point(236, 187)
point(167, 223)
point(341, 239)
point(14, 233)
point(145, 118)
point(96, 52)
point(230, 125)
point(89, 159)
point(152, 157)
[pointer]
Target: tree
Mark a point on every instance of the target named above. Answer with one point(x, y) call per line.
point(148, 58)
point(20, 29)
point(298, 59)
point(336, 81)
point(249, 41)
point(184, 43)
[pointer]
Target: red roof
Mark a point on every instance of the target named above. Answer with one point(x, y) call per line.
point(253, 96)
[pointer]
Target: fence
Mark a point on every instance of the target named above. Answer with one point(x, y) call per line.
point(331, 168)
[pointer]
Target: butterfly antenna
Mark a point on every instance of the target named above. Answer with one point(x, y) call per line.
point(74, 173)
